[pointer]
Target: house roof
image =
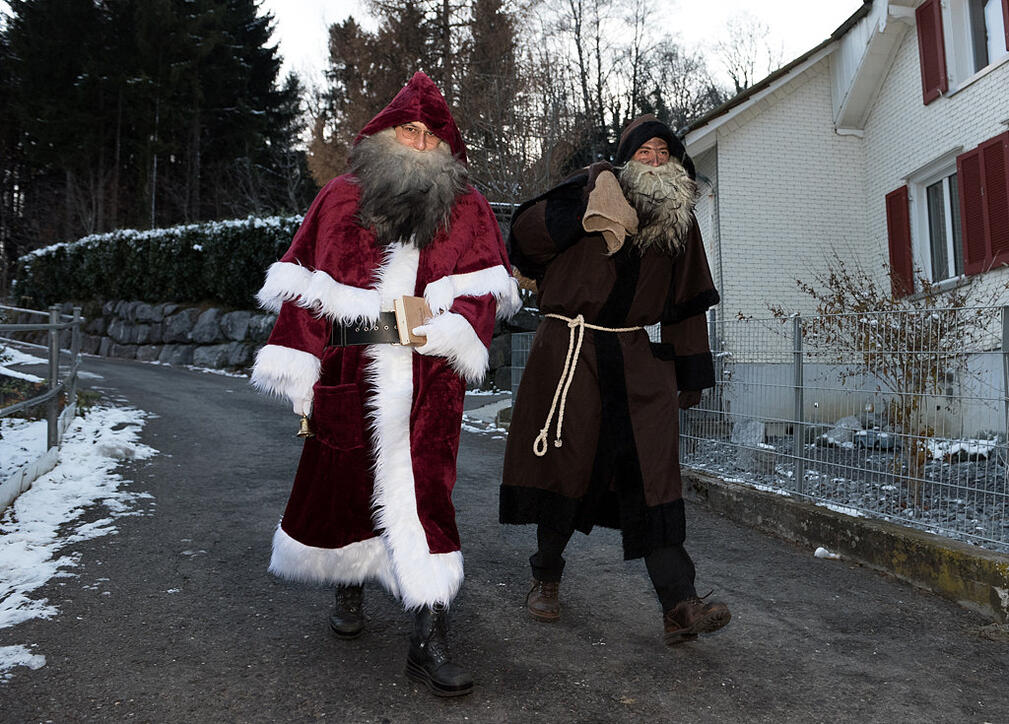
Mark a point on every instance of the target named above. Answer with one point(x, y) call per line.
point(779, 74)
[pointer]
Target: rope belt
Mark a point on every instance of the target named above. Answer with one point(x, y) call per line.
point(576, 333)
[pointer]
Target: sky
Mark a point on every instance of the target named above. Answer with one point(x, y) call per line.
point(795, 25)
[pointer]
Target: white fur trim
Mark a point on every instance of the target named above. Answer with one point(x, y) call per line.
point(286, 372)
point(494, 280)
point(423, 578)
point(440, 294)
point(318, 291)
point(341, 302)
point(284, 281)
point(353, 564)
point(450, 335)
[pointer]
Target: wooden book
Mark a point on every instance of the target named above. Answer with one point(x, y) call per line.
point(411, 312)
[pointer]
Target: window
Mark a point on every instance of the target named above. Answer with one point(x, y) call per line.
point(987, 32)
point(944, 249)
point(975, 38)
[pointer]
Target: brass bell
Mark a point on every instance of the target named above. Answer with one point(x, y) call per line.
point(305, 431)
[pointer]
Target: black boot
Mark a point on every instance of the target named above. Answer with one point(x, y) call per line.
point(347, 619)
point(429, 660)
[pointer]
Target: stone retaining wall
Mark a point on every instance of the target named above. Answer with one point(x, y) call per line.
point(210, 337)
point(176, 334)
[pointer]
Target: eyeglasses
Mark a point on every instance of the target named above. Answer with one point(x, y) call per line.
point(412, 133)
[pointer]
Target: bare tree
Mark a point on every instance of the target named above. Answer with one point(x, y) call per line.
point(747, 53)
point(911, 345)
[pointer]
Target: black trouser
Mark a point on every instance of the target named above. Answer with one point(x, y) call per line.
point(670, 568)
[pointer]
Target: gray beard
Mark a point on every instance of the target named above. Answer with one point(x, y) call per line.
point(405, 194)
point(664, 198)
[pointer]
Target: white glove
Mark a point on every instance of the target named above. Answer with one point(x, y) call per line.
point(302, 406)
point(438, 339)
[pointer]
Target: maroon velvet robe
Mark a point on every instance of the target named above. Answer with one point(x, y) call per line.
point(372, 494)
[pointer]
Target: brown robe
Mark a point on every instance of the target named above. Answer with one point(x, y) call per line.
point(618, 464)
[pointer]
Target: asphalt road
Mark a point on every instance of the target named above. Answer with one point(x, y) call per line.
point(811, 640)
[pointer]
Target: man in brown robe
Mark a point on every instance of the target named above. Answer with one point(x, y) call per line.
point(594, 432)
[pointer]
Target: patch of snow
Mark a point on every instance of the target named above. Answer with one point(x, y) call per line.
point(765, 488)
point(17, 357)
point(843, 509)
point(822, 552)
point(22, 442)
point(943, 449)
point(11, 656)
point(44, 519)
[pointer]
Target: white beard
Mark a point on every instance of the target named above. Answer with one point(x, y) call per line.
point(405, 193)
point(664, 198)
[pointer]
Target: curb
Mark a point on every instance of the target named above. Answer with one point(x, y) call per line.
point(973, 577)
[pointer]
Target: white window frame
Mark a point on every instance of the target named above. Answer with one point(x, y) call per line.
point(921, 238)
point(960, 47)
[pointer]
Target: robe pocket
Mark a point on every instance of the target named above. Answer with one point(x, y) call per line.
point(665, 355)
point(338, 417)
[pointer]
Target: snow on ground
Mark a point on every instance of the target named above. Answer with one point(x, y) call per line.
point(22, 441)
point(10, 357)
point(39, 529)
point(483, 420)
point(17, 357)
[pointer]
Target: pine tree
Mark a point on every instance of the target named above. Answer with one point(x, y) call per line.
point(143, 112)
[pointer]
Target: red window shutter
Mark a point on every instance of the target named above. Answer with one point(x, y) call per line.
point(995, 189)
point(969, 178)
point(898, 225)
point(931, 50)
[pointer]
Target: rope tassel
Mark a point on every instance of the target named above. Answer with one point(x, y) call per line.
point(576, 335)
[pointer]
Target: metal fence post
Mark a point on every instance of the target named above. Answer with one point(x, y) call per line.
point(75, 354)
point(798, 429)
point(715, 342)
point(1005, 366)
point(53, 406)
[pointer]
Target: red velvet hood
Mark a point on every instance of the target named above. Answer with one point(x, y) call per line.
point(420, 100)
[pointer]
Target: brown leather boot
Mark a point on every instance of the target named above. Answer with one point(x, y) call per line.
point(542, 601)
point(691, 617)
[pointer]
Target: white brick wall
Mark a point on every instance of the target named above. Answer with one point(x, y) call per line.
point(789, 189)
point(902, 134)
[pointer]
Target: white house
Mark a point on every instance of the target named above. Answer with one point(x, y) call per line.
point(889, 140)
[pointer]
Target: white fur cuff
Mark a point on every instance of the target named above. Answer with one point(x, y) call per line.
point(494, 280)
point(319, 292)
point(450, 335)
point(286, 372)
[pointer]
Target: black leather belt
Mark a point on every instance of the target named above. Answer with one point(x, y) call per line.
point(384, 331)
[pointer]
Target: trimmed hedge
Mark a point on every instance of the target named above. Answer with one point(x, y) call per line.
point(221, 261)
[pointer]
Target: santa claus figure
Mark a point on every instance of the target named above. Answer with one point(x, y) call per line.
point(372, 497)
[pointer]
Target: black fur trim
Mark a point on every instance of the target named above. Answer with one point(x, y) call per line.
point(644, 529)
point(673, 312)
point(564, 212)
point(520, 505)
point(655, 129)
point(695, 372)
point(663, 351)
point(565, 208)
